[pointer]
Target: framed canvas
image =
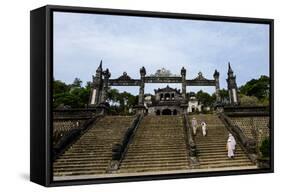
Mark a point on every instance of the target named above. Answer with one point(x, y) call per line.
point(122, 95)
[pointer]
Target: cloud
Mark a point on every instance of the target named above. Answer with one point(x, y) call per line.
point(128, 43)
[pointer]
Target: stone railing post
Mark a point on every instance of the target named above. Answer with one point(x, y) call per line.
point(183, 84)
point(119, 150)
point(191, 143)
point(142, 82)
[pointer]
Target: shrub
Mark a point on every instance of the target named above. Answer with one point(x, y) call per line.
point(264, 148)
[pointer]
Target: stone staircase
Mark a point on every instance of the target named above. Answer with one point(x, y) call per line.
point(212, 151)
point(158, 145)
point(92, 153)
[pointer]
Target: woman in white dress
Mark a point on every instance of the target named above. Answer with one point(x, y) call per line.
point(204, 128)
point(230, 145)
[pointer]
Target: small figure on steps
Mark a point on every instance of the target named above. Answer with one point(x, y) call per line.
point(230, 145)
point(204, 128)
point(194, 125)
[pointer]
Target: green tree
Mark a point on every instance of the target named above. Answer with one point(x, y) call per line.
point(121, 101)
point(258, 88)
point(66, 99)
point(113, 95)
point(73, 95)
point(205, 98)
point(248, 100)
point(77, 83)
point(224, 95)
point(59, 87)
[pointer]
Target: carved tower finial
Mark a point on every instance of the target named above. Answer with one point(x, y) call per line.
point(230, 71)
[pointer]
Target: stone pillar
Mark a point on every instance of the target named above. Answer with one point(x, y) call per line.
point(141, 92)
point(232, 87)
point(183, 84)
point(106, 75)
point(216, 77)
point(97, 86)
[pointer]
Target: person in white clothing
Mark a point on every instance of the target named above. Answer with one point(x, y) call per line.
point(233, 141)
point(194, 125)
point(230, 145)
point(204, 128)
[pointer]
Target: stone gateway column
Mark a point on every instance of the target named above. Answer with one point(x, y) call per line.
point(106, 75)
point(183, 84)
point(141, 92)
point(216, 77)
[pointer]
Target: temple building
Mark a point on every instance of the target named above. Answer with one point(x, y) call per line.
point(194, 104)
point(166, 101)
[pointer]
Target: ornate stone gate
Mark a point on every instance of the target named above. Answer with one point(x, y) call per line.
point(102, 81)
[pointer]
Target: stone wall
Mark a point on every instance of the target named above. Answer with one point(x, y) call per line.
point(256, 127)
point(61, 127)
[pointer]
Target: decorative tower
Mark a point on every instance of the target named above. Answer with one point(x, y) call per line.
point(232, 87)
point(217, 84)
point(97, 86)
point(104, 93)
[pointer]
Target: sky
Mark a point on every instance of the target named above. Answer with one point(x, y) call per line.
point(125, 44)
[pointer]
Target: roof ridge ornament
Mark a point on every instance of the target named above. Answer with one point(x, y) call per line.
point(124, 77)
point(163, 73)
point(200, 76)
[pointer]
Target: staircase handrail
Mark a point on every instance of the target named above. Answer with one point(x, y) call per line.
point(249, 144)
point(190, 137)
point(119, 150)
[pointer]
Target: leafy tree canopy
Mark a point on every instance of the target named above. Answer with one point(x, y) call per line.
point(258, 88)
point(72, 95)
point(205, 98)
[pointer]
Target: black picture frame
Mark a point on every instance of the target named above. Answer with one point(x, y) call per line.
point(41, 71)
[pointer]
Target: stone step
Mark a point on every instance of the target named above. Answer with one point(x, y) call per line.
point(153, 169)
point(136, 159)
point(221, 157)
point(161, 148)
point(217, 150)
point(218, 161)
point(156, 155)
point(232, 164)
point(160, 138)
point(82, 164)
point(90, 147)
point(83, 172)
point(73, 159)
point(211, 147)
point(82, 160)
point(73, 155)
point(159, 142)
point(210, 143)
point(155, 164)
point(82, 168)
point(157, 152)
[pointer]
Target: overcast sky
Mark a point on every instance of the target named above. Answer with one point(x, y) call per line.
point(128, 43)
